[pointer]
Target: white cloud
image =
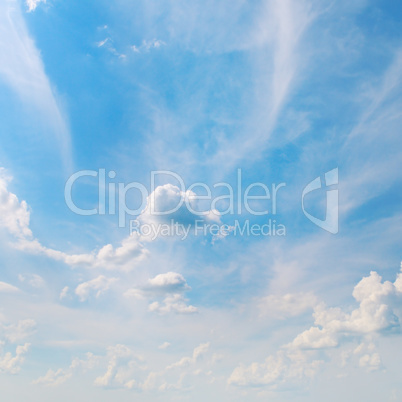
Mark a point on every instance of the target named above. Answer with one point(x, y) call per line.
point(171, 282)
point(164, 345)
point(15, 333)
point(34, 280)
point(64, 292)
point(55, 378)
point(166, 205)
point(122, 362)
point(127, 370)
point(100, 285)
point(170, 285)
point(282, 367)
point(147, 45)
point(377, 312)
point(369, 174)
point(12, 334)
point(175, 303)
point(10, 363)
point(22, 69)
point(32, 4)
point(369, 358)
point(7, 288)
point(288, 305)
point(198, 352)
point(102, 42)
point(15, 217)
point(152, 44)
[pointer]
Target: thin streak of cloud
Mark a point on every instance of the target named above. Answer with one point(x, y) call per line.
point(22, 69)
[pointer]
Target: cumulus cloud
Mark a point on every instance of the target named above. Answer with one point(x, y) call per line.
point(54, 378)
point(284, 366)
point(171, 282)
point(10, 363)
point(176, 303)
point(368, 356)
point(99, 285)
point(126, 369)
point(122, 362)
point(64, 292)
point(170, 286)
point(378, 313)
point(15, 333)
point(173, 376)
point(374, 314)
point(164, 345)
point(10, 335)
point(14, 215)
point(198, 352)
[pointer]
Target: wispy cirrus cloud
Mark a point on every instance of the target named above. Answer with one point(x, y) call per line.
point(22, 69)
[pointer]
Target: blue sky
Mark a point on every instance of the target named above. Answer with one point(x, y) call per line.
point(281, 91)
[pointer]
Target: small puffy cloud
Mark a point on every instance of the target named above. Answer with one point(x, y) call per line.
point(33, 280)
point(7, 288)
point(371, 362)
point(32, 4)
point(164, 345)
point(54, 378)
point(14, 215)
point(122, 364)
point(64, 292)
point(10, 363)
point(15, 333)
point(198, 352)
point(171, 286)
point(123, 258)
point(99, 285)
point(288, 305)
point(175, 303)
point(282, 367)
point(171, 282)
point(315, 338)
point(369, 358)
point(12, 334)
